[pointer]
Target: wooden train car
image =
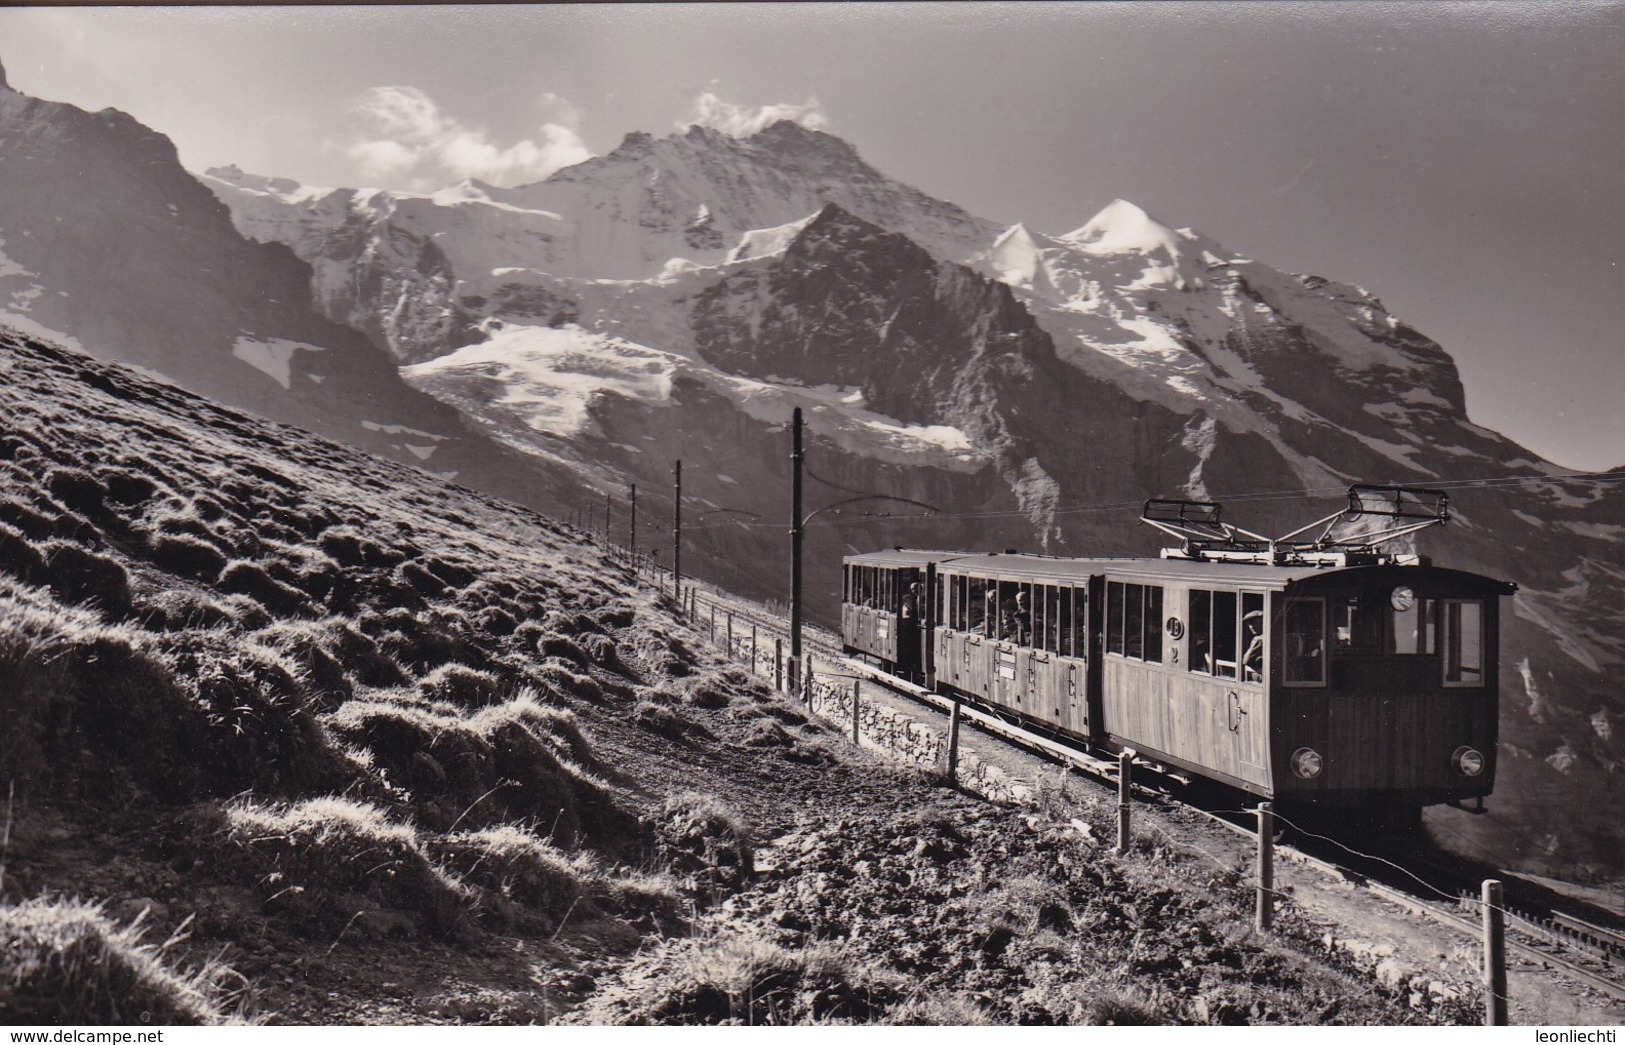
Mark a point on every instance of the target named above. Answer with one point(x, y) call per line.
point(1333, 678)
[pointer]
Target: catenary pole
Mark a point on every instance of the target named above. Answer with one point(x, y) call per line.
point(795, 542)
point(677, 530)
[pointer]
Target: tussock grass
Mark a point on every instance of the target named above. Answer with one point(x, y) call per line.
point(322, 861)
point(524, 880)
point(514, 762)
point(65, 962)
point(81, 576)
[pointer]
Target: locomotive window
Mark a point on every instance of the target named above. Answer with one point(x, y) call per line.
point(1463, 643)
point(1252, 637)
point(1415, 625)
point(1305, 642)
point(1360, 624)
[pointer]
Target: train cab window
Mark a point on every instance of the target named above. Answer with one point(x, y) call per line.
point(1415, 622)
point(1213, 633)
point(1305, 660)
point(1359, 620)
point(1463, 642)
point(1252, 636)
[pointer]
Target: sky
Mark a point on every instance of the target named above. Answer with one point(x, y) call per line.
point(1464, 162)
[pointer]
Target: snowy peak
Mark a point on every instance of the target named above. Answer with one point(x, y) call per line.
point(1016, 255)
point(1123, 228)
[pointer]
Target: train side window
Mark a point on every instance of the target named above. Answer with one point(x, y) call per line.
point(1463, 642)
point(1080, 622)
point(1305, 661)
point(1055, 627)
point(846, 583)
point(1201, 631)
point(1114, 617)
point(1252, 636)
point(1224, 634)
point(1152, 624)
point(1133, 621)
point(1213, 629)
point(976, 606)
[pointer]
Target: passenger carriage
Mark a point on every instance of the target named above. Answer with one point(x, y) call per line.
point(1323, 672)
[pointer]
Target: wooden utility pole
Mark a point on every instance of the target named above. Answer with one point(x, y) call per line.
point(795, 545)
point(1265, 916)
point(1125, 798)
point(677, 530)
point(1495, 955)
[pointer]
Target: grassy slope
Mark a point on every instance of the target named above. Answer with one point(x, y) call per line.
point(367, 747)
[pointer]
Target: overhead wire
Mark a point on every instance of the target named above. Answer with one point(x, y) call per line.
point(856, 518)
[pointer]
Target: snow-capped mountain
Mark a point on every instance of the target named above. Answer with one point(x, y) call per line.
point(678, 296)
point(109, 245)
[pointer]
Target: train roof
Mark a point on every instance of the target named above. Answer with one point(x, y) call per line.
point(1026, 566)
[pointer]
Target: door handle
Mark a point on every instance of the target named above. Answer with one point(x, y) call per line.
point(1235, 711)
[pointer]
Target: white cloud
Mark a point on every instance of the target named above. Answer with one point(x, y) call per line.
point(743, 120)
point(409, 140)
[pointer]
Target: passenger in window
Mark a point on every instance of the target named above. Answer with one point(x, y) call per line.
point(911, 602)
point(1252, 633)
point(1022, 620)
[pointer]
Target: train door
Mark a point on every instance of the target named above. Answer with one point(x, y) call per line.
point(1246, 707)
point(910, 605)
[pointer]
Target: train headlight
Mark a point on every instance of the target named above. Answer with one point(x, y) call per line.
point(1468, 761)
point(1307, 763)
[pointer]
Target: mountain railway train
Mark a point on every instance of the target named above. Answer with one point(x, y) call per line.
point(1325, 674)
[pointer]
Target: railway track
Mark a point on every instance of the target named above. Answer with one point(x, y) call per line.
point(1578, 947)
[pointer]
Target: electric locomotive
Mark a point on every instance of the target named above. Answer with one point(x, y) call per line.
point(1327, 672)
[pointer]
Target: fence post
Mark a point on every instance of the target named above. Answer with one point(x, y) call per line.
point(730, 636)
point(753, 666)
point(953, 743)
point(807, 682)
point(1495, 955)
point(1125, 797)
point(1266, 867)
point(778, 665)
point(857, 726)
